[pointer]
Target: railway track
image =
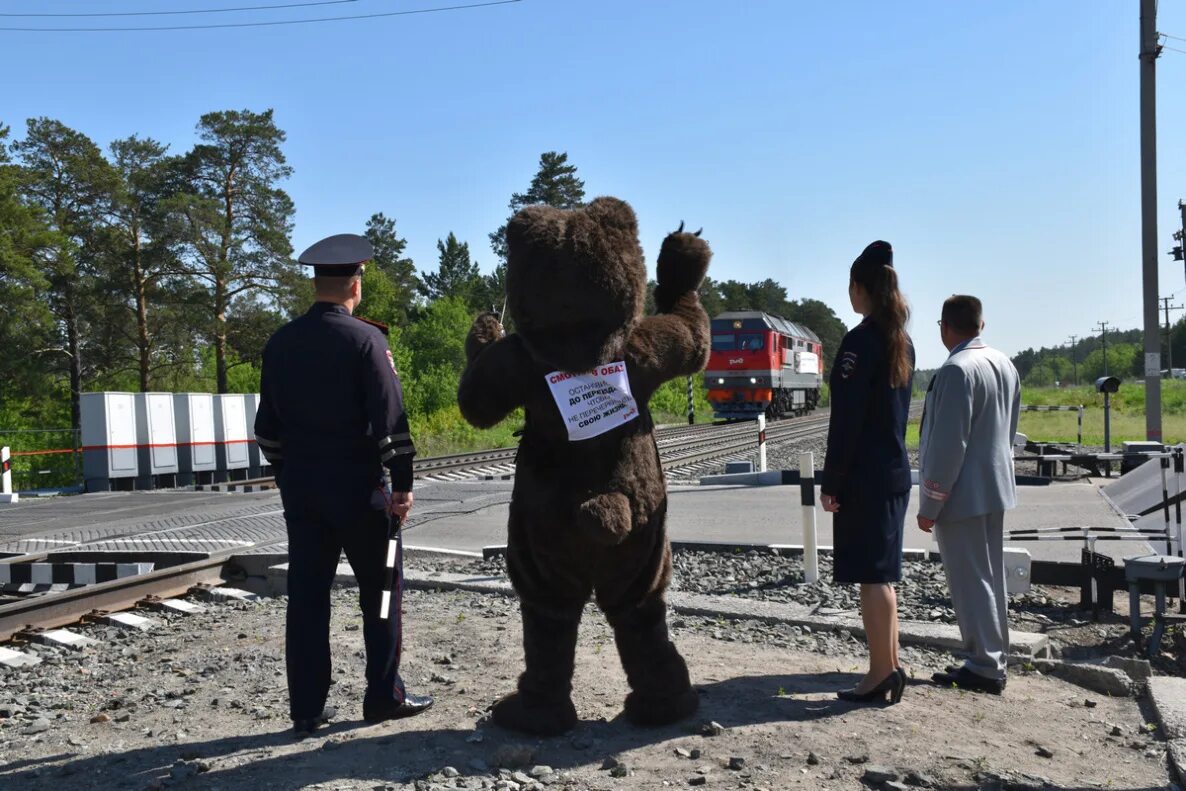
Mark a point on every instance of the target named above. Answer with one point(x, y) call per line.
point(679, 447)
point(33, 613)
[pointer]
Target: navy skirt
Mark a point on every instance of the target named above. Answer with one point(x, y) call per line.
point(867, 536)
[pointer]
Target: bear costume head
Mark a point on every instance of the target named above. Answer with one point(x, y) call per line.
point(576, 282)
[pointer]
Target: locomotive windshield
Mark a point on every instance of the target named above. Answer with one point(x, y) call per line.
point(724, 343)
point(746, 342)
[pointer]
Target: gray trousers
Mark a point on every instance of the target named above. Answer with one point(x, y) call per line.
point(974, 559)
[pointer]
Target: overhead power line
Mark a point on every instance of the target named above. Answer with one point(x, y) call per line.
point(187, 11)
point(270, 23)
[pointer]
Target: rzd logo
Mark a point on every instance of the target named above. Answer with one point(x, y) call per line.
point(738, 361)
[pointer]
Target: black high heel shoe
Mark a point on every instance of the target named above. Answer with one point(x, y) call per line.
point(891, 687)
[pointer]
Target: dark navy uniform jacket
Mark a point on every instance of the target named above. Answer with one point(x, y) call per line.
point(331, 410)
point(867, 427)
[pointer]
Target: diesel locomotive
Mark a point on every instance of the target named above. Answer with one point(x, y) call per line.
point(762, 364)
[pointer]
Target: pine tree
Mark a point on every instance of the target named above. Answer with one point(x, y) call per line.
point(232, 222)
point(456, 275)
point(390, 278)
point(68, 178)
point(555, 184)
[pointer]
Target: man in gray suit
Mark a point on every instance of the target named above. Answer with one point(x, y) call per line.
point(966, 484)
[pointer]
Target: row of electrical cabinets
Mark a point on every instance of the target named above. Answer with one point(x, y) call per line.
point(145, 440)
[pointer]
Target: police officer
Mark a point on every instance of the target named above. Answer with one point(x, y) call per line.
point(330, 419)
point(866, 480)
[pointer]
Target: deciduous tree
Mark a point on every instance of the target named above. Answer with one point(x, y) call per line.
point(232, 223)
point(68, 178)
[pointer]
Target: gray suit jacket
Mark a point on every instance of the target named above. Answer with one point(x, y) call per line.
point(966, 444)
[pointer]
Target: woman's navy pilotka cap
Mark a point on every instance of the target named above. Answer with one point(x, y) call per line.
point(872, 258)
point(341, 255)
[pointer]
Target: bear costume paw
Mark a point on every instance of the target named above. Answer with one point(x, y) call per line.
point(605, 518)
point(648, 711)
point(683, 262)
point(486, 330)
point(516, 714)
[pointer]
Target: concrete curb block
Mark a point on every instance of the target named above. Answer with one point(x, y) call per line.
point(1177, 756)
point(1169, 701)
point(729, 548)
point(942, 636)
point(1095, 677)
point(929, 635)
point(413, 550)
point(768, 478)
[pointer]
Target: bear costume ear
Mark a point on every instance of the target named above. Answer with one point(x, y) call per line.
point(613, 213)
point(528, 225)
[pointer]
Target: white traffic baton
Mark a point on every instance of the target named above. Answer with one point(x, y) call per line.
point(391, 578)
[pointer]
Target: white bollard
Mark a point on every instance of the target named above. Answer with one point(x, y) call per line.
point(762, 443)
point(807, 497)
point(6, 493)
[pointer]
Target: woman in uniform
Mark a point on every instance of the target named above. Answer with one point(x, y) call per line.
point(866, 480)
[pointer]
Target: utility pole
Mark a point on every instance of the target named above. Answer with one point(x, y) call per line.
point(1169, 347)
point(1150, 49)
point(1074, 362)
point(1103, 328)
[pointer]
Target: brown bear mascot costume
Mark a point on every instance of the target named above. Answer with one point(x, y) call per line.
point(590, 501)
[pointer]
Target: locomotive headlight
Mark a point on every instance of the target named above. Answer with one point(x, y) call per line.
point(753, 380)
point(720, 381)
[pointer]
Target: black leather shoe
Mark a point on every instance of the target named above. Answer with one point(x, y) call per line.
point(412, 705)
point(966, 679)
point(304, 727)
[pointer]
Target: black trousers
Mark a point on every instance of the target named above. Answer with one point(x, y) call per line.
point(318, 533)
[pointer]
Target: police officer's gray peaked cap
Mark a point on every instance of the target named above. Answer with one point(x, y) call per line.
point(340, 255)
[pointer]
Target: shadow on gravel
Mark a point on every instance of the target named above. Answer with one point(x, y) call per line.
point(404, 751)
point(401, 752)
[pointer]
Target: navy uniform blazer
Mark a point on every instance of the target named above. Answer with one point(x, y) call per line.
point(331, 411)
point(867, 427)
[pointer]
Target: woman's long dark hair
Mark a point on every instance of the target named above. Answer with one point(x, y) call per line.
point(874, 271)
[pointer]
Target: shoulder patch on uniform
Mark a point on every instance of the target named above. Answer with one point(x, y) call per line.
point(848, 364)
point(391, 362)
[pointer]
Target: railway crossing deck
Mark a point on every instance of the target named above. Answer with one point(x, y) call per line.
point(467, 516)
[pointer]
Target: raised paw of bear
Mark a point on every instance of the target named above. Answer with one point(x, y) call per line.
point(486, 330)
point(683, 262)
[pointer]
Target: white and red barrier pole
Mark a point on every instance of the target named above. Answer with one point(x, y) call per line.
point(762, 443)
point(807, 497)
point(6, 493)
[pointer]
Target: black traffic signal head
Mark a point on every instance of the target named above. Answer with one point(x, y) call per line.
point(1177, 253)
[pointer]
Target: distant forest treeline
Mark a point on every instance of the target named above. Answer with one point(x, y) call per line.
point(1086, 361)
point(137, 268)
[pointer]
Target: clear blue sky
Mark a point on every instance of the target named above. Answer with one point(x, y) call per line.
point(995, 144)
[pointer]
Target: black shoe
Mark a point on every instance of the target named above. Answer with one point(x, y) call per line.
point(305, 726)
point(962, 678)
point(891, 687)
point(412, 705)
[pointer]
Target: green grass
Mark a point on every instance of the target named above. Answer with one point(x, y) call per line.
point(1128, 414)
